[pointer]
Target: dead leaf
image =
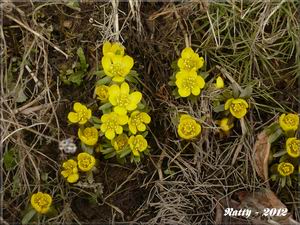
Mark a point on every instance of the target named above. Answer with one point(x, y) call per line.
point(261, 157)
point(259, 201)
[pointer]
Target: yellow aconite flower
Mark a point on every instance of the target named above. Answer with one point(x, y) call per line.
point(137, 144)
point(70, 171)
point(190, 60)
point(88, 136)
point(224, 125)
point(85, 161)
point(41, 202)
point(289, 122)
point(122, 101)
point(188, 128)
point(293, 147)
point(285, 169)
point(189, 82)
point(120, 142)
point(219, 82)
point(117, 66)
point(102, 92)
point(111, 49)
point(112, 123)
point(81, 115)
point(238, 107)
point(137, 121)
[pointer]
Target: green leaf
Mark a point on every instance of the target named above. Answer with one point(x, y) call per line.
point(107, 150)
point(9, 159)
point(105, 106)
point(21, 97)
point(140, 106)
point(204, 75)
point(235, 90)
point(279, 154)
point(274, 136)
point(95, 119)
point(90, 177)
point(86, 148)
point(247, 92)
point(125, 152)
point(219, 108)
point(105, 80)
point(76, 77)
point(82, 59)
point(109, 155)
point(73, 5)
point(100, 73)
point(28, 216)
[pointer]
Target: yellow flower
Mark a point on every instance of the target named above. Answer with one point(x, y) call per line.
point(70, 171)
point(102, 92)
point(137, 144)
point(112, 123)
point(122, 101)
point(293, 147)
point(285, 169)
point(41, 202)
point(189, 82)
point(120, 142)
point(289, 122)
point(88, 136)
point(137, 121)
point(238, 107)
point(117, 66)
point(81, 115)
point(190, 60)
point(224, 124)
point(188, 128)
point(85, 161)
point(111, 49)
point(219, 82)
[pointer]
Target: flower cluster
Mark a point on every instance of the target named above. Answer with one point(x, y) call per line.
point(284, 170)
point(41, 202)
point(121, 127)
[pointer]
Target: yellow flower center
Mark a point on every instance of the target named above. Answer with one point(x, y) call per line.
point(112, 124)
point(289, 120)
point(136, 120)
point(82, 114)
point(189, 64)
point(85, 162)
point(122, 142)
point(123, 100)
point(237, 107)
point(116, 69)
point(189, 82)
point(294, 146)
point(137, 144)
point(88, 133)
point(42, 202)
point(285, 169)
point(188, 128)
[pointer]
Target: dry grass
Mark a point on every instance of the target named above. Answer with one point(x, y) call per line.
point(255, 42)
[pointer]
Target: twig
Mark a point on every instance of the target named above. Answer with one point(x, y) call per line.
point(37, 34)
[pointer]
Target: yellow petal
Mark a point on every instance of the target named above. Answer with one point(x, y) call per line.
point(78, 107)
point(187, 52)
point(119, 130)
point(200, 81)
point(106, 47)
point(128, 62)
point(124, 88)
point(196, 91)
point(146, 118)
point(219, 82)
point(118, 79)
point(132, 129)
point(141, 127)
point(123, 119)
point(241, 101)
point(184, 92)
point(110, 134)
point(120, 110)
point(73, 117)
point(73, 178)
point(228, 103)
